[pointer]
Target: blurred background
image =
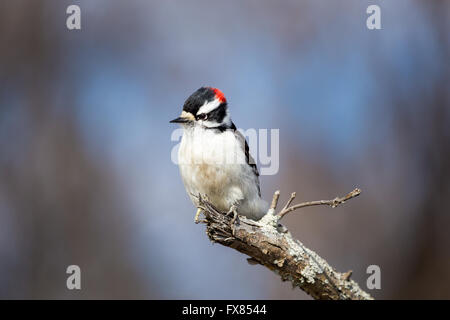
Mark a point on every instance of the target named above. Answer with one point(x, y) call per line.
point(86, 176)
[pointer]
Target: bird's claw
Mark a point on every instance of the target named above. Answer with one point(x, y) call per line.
point(233, 210)
point(197, 215)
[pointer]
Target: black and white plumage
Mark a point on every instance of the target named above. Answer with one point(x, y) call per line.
point(214, 156)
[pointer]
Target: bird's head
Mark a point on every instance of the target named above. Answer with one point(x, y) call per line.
point(206, 107)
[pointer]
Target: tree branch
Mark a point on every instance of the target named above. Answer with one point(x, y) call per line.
point(271, 245)
point(332, 203)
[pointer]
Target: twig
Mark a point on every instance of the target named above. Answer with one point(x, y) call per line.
point(332, 203)
point(288, 203)
point(275, 198)
point(347, 275)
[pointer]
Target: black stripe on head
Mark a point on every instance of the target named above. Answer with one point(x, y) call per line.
point(198, 98)
point(218, 114)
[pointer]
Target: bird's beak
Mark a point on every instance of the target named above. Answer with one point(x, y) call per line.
point(179, 120)
point(185, 117)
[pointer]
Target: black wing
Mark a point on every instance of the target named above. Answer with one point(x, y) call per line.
point(248, 158)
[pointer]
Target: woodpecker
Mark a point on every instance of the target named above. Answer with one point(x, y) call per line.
point(214, 158)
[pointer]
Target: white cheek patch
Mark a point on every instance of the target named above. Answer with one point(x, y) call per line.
point(209, 124)
point(209, 106)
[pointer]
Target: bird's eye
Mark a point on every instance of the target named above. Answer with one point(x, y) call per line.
point(202, 116)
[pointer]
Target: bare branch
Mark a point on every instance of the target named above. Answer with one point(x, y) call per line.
point(280, 252)
point(332, 203)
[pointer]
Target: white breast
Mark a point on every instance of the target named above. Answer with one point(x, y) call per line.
point(213, 163)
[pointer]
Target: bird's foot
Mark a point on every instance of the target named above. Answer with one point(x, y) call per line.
point(233, 210)
point(197, 215)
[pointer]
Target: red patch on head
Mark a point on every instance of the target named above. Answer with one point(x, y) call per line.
point(219, 95)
